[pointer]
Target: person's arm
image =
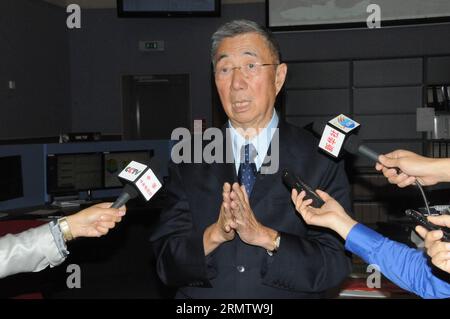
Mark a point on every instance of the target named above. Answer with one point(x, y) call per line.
point(31, 250)
point(40, 247)
point(315, 261)
point(405, 266)
point(178, 244)
point(428, 171)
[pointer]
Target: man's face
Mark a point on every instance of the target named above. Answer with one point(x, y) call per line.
point(248, 100)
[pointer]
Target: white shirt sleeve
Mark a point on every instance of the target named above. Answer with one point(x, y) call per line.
point(31, 250)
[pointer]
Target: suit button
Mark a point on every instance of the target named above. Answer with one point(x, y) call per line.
point(240, 268)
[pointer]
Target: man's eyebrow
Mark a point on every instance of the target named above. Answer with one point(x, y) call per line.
point(222, 56)
point(253, 54)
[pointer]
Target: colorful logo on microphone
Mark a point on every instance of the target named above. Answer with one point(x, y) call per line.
point(132, 170)
point(344, 123)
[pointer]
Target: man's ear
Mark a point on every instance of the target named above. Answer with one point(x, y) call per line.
point(280, 76)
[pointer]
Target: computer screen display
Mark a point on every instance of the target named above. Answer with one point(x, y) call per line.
point(11, 184)
point(115, 162)
point(74, 172)
point(168, 8)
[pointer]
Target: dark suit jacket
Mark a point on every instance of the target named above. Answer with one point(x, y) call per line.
point(309, 260)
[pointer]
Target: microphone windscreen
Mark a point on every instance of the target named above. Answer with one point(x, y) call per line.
point(288, 179)
point(132, 191)
point(352, 144)
point(318, 127)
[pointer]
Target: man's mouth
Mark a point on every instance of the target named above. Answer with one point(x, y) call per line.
point(241, 104)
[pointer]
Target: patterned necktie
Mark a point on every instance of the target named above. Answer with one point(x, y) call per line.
point(247, 169)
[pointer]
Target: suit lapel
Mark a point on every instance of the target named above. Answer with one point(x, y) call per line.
point(266, 181)
point(225, 172)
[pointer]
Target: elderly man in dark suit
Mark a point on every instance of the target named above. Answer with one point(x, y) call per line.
point(219, 239)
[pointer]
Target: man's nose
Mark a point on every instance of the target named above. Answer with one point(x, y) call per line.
point(238, 79)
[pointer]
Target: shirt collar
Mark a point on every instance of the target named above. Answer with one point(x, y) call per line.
point(260, 141)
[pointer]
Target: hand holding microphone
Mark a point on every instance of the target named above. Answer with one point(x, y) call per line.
point(427, 171)
point(330, 215)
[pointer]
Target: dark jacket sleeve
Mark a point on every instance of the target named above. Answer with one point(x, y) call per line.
point(178, 245)
point(315, 262)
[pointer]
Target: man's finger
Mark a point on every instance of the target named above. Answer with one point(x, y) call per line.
point(108, 225)
point(432, 237)
point(101, 230)
point(240, 199)
point(443, 220)
point(437, 247)
point(305, 204)
point(323, 195)
point(409, 181)
point(244, 192)
point(388, 161)
point(441, 258)
point(421, 231)
point(238, 191)
point(299, 198)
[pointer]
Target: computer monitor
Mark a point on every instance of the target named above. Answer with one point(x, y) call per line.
point(115, 162)
point(72, 173)
point(172, 8)
point(11, 184)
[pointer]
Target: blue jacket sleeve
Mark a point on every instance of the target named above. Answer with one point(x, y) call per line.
point(405, 266)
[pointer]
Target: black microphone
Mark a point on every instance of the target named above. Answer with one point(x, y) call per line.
point(293, 181)
point(352, 144)
point(138, 179)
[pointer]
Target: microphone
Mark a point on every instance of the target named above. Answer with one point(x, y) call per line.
point(138, 179)
point(352, 144)
point(293, 181)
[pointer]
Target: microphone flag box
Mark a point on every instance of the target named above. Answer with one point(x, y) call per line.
point(148, 184)
point(142, 177)
point(132, 171)
point(334, 134)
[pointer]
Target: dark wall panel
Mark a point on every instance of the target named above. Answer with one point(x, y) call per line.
point(388, 127)
point(387, 100)
point(317, 102)
point(319, 74)
point(388, 72)
point(35, 54)
point(438, 71)
point(301, 121)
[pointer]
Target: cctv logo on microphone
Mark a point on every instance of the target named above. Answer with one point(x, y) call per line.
point(132, 171)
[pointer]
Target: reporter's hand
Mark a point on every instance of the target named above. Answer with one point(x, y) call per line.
point(331, 215)
point(438, 250)
point(95, 221)
point(428, 171)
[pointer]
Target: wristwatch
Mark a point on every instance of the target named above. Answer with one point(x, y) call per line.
point(276, 244)
point(65, 229)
